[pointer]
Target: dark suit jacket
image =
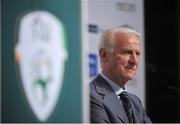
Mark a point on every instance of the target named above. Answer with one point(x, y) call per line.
point(107, 108)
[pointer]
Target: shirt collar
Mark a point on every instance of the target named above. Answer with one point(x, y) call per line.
point(116, 88)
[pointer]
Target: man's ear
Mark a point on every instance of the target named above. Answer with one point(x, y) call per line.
point(103, 55)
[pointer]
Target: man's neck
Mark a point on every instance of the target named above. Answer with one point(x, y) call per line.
point(121, 83)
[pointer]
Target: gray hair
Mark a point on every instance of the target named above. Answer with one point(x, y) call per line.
point(106, 40)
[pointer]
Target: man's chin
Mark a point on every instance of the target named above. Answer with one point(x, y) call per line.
point(130, 77)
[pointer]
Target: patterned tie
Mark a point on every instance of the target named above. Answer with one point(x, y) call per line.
point(127, 106)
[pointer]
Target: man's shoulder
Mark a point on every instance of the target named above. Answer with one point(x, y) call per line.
point(95, 82)
point(98, 83)
point(95, 96)
point(98, 87)
point(93, 85)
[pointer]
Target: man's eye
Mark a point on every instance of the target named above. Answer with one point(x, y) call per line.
point(138, 53)
point(127, 52)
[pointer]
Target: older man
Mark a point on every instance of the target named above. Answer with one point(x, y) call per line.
point(119, 52)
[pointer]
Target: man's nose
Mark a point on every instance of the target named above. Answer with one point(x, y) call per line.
point(134, 58)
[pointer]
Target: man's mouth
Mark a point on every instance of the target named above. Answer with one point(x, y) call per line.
point(131, 68)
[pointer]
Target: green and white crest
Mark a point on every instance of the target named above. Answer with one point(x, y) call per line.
point(41, 55)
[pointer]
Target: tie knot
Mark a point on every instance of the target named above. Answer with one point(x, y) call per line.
point(123, 94)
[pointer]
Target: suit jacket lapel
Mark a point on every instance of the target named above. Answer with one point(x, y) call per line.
point(137, 118)
point(112, 102)
point(110, 99)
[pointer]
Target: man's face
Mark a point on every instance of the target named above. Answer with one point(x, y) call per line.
point(123, 61)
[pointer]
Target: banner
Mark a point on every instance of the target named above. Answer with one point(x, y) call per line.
point(41, 58)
